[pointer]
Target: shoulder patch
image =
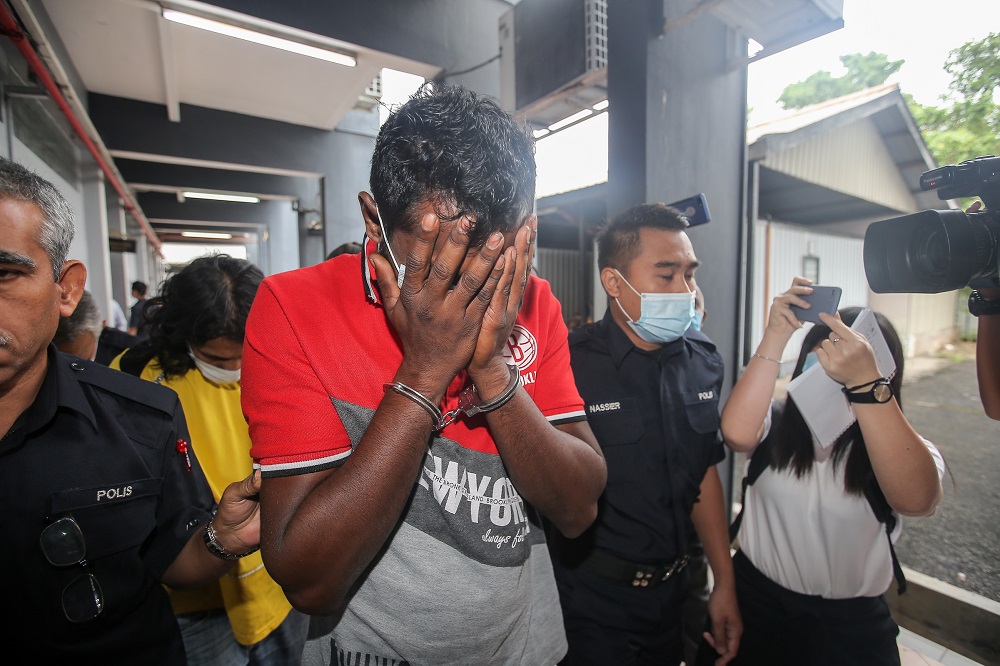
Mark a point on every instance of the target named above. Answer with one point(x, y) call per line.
point(700, 339)
point(123, 384)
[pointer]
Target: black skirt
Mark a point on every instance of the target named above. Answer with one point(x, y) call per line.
point(782, 627)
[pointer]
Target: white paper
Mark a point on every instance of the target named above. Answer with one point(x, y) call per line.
point(820, 399)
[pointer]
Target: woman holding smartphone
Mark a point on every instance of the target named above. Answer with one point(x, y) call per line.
point(814, 562)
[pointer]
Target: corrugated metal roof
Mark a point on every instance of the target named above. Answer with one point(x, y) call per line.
point(854, 158)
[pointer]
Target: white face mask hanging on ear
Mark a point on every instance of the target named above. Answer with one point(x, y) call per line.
point(214, 374)
point(400, 268)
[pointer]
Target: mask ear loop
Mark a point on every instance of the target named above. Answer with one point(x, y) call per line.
point(400, 268)
point(622, 307)
point(366, 271)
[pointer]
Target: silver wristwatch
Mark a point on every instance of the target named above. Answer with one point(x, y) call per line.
point(216, 548)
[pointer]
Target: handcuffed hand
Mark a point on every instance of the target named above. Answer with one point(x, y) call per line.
point(438, 311)
point(501, 314)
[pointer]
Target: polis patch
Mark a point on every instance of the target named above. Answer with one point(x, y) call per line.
point(111, 493)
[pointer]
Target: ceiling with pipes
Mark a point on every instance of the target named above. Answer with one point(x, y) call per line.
point(163, 53)
point(184, 56)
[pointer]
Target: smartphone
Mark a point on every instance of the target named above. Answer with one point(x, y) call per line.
point(695, 209)
point(822, 299)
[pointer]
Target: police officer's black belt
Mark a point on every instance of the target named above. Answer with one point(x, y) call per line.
point(612, 567)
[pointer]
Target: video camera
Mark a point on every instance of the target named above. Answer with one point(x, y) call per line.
point(940, 250)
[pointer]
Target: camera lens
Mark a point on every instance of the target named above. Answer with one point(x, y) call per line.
point(932, 257)
point(926, 252)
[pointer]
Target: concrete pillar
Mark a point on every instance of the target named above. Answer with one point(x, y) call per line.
point(676, 128)
point(93, 224)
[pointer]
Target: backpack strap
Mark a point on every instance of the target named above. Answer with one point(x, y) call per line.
point(883, 512)
point(134, 360)
point(759, 461)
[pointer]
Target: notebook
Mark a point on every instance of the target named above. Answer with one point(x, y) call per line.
point(820, 400)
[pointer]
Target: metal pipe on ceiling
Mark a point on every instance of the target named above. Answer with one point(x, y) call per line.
point(10, 27)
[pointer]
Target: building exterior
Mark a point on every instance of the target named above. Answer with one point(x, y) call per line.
point(818, 178)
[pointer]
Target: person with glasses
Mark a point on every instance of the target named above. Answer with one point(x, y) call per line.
point(104, 500)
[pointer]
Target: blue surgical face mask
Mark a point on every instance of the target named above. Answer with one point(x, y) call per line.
point(811, 360)
point(400, 268)
point(662, 317)
point(696, 322)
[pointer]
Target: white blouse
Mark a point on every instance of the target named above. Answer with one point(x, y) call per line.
point(808, 535)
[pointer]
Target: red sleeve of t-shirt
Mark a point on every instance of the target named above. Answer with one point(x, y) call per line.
point(294, 426)
point(555, 391)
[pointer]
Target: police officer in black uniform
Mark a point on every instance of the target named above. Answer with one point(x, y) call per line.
point(102, 498)
point(651, 386)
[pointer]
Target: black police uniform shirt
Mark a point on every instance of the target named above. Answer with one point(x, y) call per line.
point(100, 446)
point(656, 417)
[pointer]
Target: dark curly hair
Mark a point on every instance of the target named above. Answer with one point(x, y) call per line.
point(451, 146)
point(209, 298)
point(793, 445)
point(618, 240)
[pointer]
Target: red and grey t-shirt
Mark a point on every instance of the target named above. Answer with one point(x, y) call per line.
point(467, 574)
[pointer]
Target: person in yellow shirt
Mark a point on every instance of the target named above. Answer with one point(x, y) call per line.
point(195, 348)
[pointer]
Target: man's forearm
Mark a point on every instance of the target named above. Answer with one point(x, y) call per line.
point(560, 472)
point(709, 518)
point(318, 539)
point(988, 364)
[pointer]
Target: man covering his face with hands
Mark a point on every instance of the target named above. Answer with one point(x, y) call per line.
point(413, 411)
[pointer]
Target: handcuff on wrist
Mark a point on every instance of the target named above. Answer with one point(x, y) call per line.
point(469, 402)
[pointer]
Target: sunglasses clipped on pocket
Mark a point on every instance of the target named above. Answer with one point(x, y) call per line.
point(63, 546)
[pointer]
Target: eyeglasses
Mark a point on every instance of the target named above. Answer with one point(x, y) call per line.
point(63, 546)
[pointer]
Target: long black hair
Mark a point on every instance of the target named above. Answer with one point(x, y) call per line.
point(793, 443)
point(209, 298)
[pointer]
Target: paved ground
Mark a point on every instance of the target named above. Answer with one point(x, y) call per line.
point(960, 543)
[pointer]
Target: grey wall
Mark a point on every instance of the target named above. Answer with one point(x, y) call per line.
point(676, 128)
point(695, 143)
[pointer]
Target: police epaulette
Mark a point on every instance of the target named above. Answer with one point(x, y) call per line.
point(122, 384)
point(694, 335)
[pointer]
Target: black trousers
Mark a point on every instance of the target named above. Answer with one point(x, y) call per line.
point(609, 622)
point(781, 627)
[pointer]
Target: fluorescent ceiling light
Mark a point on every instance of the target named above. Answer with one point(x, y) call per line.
point(259, 38)
point(220, 197)
point(579, 115)
point(206, 234)
point(600, 106)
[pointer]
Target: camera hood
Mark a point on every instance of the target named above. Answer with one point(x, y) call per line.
point(927, 252)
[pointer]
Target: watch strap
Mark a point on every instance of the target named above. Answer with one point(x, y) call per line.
point(871, 396)
point(217, 548)
point(979, 306)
